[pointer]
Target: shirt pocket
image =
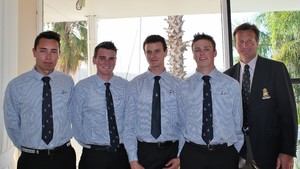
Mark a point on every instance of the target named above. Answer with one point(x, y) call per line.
point(119, 101)
point(170, 97)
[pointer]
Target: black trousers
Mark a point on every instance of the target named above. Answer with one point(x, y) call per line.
point(156, 156)
point(64, 159)
point(195, 157)
point(103, 159)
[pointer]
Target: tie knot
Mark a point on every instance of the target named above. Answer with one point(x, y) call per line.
point(156, 78)
point(206, 78)
point(107, 85)
point(246, 67)
point(46, 79)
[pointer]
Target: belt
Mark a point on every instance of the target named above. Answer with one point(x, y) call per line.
point(210, 147)
point(48, 152)
point(102, 147)
point(159, 144)
point(246, 130)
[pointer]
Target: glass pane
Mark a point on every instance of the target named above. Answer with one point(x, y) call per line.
point(236, 20)
point(131, 59)
point(297, 98)
point(279, 41)
point(279, 37)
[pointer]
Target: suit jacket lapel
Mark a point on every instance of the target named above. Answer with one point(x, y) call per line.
point(236, 72)
point(258, 78)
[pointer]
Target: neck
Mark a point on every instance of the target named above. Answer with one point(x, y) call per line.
point(157, 70)
point(106, 78)
point(205, 70)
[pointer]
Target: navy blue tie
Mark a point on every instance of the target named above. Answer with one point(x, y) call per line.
point(207, 127)
point(113, 130)
point(47, 117)
point(245, 95)
point(156, 114)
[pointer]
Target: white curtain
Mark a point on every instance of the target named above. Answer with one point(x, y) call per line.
point(8, 70)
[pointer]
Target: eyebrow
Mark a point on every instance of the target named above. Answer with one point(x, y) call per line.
point(47, 48)
point(198, 47)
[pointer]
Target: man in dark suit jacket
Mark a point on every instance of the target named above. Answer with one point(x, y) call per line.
point(271, 131)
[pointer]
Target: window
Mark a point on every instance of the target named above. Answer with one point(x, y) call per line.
point(131, 59)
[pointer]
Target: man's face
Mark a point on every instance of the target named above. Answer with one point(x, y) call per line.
point(46, 55)
point(204, 55)
point(105, 61)
point(155, 55)
point(246, 45)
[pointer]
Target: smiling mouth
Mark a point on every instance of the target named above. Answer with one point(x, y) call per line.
point(48, 63)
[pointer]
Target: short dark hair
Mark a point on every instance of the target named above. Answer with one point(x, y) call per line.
point(247, 26)
point(154, 39)
point(47, 35)
point(199, 36)
point(109, 45)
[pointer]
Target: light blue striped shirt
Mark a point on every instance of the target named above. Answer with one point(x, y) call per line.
point(139, 110)
point(227, 109)
point(89, 112)
point(23, 109)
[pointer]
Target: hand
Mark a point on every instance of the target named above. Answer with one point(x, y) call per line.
point(136, 165)
point(173, 164)
point(285, 161)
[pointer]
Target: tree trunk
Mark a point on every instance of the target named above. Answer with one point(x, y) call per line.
point(176, 45)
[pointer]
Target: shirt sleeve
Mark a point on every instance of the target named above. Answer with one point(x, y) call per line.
point(12, 116)
point(181, 114)
point(130, 140)
point(238, 117)
point(76, 113)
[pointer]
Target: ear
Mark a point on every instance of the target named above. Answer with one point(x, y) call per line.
point(94, 60)
point(33, 52)
point(194, 57)
point(166, 53)
point(234, 42)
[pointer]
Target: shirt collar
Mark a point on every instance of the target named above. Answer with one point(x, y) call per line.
point(39, 76)
point(212, 74)
point(101, 82)
point(251, 64)
point(151, 75)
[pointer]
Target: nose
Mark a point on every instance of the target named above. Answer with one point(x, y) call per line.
point(48, 55)
point(201, 52)
point(245, 44)
point(107, 61)
point(151, 55)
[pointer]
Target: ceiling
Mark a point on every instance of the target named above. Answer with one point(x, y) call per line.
point(65, 10)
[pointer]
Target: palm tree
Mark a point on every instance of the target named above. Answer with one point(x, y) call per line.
point(176, 45)
point(73, 45)
point(283, 30)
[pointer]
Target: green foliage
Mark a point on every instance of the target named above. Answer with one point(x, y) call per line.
point(73, 45)
point(280, 40)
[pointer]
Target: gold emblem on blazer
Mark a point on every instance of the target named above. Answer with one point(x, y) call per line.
point(265, 94)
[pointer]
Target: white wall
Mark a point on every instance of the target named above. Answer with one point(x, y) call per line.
point(27, 32)
point(9, 40)
point(17, 31)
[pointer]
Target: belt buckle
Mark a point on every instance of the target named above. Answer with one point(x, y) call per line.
point(160, 144)
point(246, 130)
point(49, 152)
point(109, 149)
point(210, 147)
